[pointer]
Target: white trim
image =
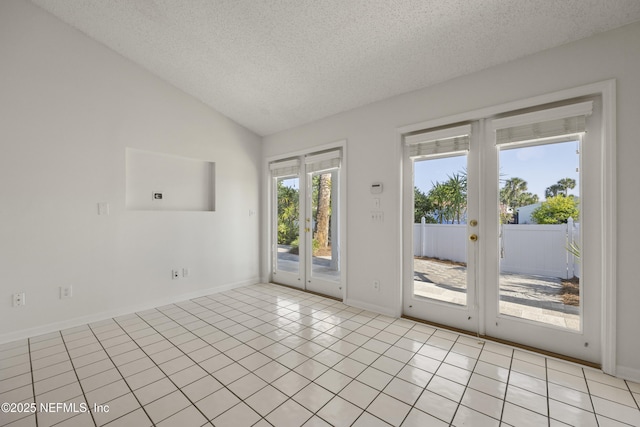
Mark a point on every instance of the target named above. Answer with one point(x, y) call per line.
point(609, 273)
point(341, 143)
point(576, 92)
point(284, 164)
point(607, 90)
point(314, 158)
point(109, 314)
point(267, 264)
point(566, 111)
point(371, 307)
point(627, 373)
point(435, 135)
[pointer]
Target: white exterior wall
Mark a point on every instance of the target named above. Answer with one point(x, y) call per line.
point(68, 109)
point(374, 249)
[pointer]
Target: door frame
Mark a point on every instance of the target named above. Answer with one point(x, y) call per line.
point(464, 317)
point(268, 205)
point(607, 91)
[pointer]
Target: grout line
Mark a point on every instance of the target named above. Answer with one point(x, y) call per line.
point(546, 378)
point(33, 383)
point(196, 363)
point(506, 388)
point(239, 307)
point(77, 378)
point(632, 395)
point(369, 365)
point(584, 376)
point(290, 349)
point(121, 377)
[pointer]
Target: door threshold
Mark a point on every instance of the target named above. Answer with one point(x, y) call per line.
point(307, 291)
point(510, 343)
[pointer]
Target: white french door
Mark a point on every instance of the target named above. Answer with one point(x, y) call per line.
point(510, 243)
point(305, 225)
point(441, 184)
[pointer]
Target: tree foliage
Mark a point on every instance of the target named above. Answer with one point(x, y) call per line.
point(446, 202)
point(513, 195)
point(322, 209)
point(556, 210)
point(288, 212)
point(288, 221)
point(422, 207)
point(560, 188)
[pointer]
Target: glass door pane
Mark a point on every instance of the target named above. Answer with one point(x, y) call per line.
point(539, 233)
point(325, 262)
point(440, 229)
point(288, 225)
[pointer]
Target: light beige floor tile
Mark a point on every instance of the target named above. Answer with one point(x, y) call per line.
point(468, 417)
point(617, 411)
point(266, 400)
point(403, 391)
point(313, 397)
point(417, 418)
point(166, 406)
point(389, 409)
point(216, 403)
point(190, 416)
point(447, 388)
point(338, 412)
point(289, 414)
point(571, 415)
point(482, 403)
point(154, 391)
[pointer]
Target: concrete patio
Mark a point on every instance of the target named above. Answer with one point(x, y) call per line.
point(528, 297)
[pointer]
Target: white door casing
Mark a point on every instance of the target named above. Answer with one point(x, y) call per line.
point(598, 147)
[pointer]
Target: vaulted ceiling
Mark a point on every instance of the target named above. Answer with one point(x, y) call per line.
point(271, 65)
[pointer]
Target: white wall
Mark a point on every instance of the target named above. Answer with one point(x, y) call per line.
point(374, 155)
point(68, 109)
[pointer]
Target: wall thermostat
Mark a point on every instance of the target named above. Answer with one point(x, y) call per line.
point(376, 188)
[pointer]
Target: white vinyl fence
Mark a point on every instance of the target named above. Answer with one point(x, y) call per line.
point(534, 249)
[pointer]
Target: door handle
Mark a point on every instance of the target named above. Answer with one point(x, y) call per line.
point(473, 237)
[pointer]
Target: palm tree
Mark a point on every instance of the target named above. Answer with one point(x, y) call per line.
point(552, 191)
point(457, 188)
point(567, 184)
point(439, 198)
point(323, 210)
point(422, 207)
point(288, 199)
point(561, 188)
point(512, 191)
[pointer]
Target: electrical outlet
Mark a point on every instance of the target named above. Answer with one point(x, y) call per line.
point(377, 216)
point(19, 299)
point(175, 274)
point(185, 272)
point(376, 285)
point(66, 292)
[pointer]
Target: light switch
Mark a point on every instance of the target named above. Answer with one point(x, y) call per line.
point(103, 208)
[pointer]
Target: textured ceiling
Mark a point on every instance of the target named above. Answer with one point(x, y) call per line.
point(274, 64)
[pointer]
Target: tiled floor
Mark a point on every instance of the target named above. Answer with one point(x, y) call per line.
point(268, 355)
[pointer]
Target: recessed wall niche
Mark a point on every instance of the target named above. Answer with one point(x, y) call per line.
point(163, 182)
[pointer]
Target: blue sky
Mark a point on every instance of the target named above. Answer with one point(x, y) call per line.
point(541, 166)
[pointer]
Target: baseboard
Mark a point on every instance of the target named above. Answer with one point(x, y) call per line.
point(370, 307)
point(78, 321)
point(627, 373)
